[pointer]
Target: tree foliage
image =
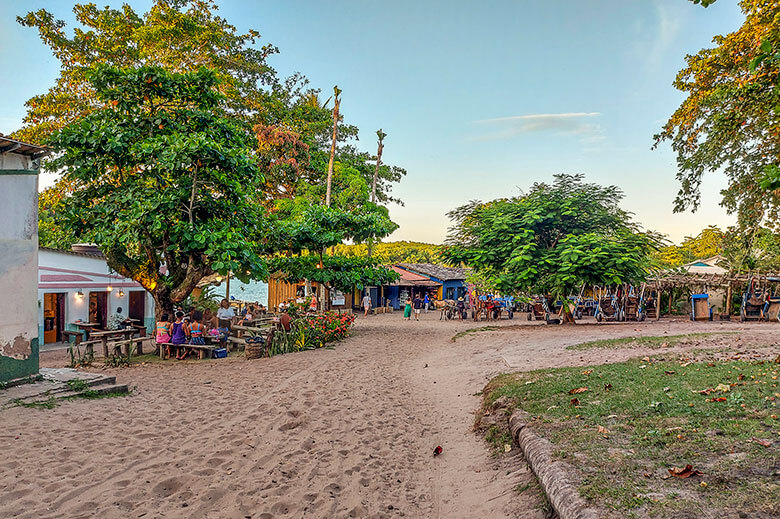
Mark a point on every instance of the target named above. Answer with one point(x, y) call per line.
point(178, 35)
point(551, 240)
point(730, 118)
point(396, 252)
point(338, 272)
point(160, 181)
point(708, 243)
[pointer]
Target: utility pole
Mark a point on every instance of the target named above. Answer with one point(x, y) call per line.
point(380, 147)
point(336, 104)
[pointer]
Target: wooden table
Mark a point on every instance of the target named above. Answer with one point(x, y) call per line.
point(86, 327)
point(126, 333)
point(77, 336)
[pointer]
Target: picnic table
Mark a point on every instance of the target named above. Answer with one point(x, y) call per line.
point(86, 327)
point(77, 336)
point(103, 336)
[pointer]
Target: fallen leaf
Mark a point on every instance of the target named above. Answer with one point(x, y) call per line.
point(575, 401)
point(588, 372)
point(437, 451)
point(607, 387)
point(723, 388)
point(603, 430)
point(578, 390)
point(717, 399)
point(703, 484)
point(763, 443)
point(684, 472)
point(668, 372)
point(685, 364)
point(741, 377)
point(646, 359)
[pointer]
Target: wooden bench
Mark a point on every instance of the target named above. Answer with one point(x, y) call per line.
point(90, 345)
point(203, 349)
point(134, 343)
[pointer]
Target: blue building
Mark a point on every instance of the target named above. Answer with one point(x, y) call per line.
point(450, 281)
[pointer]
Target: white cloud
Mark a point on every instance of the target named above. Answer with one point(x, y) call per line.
point(569, 123)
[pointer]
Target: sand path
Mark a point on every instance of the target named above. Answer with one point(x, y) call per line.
point(342, 432)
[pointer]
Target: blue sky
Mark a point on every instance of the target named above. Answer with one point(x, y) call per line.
point(480, 99)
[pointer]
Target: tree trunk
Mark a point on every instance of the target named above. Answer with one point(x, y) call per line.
point(567, 317)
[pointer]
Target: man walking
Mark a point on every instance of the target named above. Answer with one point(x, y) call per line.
point(366, 304)
point(417, 304)
point(426, 302)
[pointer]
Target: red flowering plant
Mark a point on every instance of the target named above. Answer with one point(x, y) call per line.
point(321, 329)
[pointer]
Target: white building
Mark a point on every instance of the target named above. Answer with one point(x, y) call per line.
point(77, 285)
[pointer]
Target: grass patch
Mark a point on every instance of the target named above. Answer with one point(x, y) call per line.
point(50, 403)
point(473, 330)
point(637, 419)
point(660, 341)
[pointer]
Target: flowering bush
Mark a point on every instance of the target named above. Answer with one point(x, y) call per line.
point(320, 329)
point(312, 331)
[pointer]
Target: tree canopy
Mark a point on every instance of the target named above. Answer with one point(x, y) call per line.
point(160, 181)
point(551, 240)
point(729, 120)
point(708, 243)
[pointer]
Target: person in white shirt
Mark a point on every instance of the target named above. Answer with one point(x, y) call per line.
point(225, 315)
point(366, 304)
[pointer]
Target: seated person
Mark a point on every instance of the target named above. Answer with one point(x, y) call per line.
point(163, 332)
point(116, 321)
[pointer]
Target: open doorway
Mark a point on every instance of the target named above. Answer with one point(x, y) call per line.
point(98, 308)
point(137, 304)
point(53, 317)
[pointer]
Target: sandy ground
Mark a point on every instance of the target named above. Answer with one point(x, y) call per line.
point(343, 432)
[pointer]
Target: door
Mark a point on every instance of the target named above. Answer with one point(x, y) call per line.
point(49, 318)
point(53, 317)
point(137, 303)
point(98, 308)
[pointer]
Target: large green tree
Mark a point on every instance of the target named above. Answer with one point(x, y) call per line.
point(730, 120)
point(551, 240)
point(161, 182)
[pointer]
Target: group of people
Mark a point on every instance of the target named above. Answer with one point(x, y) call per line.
point(191, 327)
point(184, 329)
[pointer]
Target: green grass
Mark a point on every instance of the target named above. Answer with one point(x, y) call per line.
point(80, 387)
point(661, 341)
point(655, 418)
point(49, 403)
point(473, 330)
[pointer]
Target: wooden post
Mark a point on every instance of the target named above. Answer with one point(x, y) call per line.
point(104, 342)
point(658, 303)
point(671, 291)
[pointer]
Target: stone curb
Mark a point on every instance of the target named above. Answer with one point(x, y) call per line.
point(552, 475)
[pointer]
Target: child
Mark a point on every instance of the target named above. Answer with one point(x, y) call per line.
point(178, 335)
point(163, 331)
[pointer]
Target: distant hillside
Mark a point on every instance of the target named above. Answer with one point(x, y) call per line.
point(396, 252)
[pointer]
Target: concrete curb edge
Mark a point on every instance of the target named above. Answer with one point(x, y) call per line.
point(552, 475)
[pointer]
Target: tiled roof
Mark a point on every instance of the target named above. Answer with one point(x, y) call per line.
point(98, 255)
point(436, 271)
point(412, 279)
point(8, 145)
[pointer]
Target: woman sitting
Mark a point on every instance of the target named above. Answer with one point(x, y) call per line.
point(178, 335)
point(195, 332)
point(163, 332)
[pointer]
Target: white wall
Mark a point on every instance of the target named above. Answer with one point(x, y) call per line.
point(18, 262)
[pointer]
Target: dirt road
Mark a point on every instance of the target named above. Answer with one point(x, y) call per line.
point(342, 432)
